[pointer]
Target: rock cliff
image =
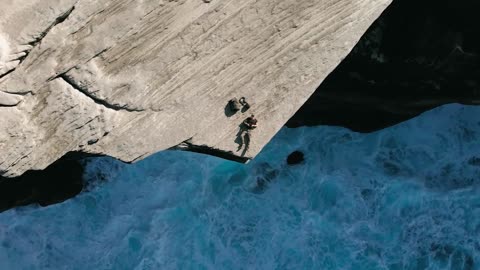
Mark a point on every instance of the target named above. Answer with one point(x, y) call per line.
point(129, 78)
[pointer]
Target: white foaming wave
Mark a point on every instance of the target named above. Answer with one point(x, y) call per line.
point(401, 198)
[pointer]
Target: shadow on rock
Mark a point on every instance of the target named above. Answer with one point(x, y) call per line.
point(228, 111)
point(243, 139)
point(60, 181)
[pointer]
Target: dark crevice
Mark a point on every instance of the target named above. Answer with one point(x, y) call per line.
point(98, 54)
point(58, 182)
point(6, 73)
point(19, 94)
point(402, 67)
point(9, 106)
point(98, 101)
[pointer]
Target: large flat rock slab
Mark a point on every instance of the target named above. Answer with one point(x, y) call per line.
point(130, 78)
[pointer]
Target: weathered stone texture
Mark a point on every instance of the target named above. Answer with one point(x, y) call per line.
point(129, 78)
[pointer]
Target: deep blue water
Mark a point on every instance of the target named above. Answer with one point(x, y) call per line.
point(406, 197)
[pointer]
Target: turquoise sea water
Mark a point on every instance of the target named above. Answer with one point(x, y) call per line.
point(407, 197)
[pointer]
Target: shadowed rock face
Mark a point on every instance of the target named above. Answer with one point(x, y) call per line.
point(58, 182)
point(416, 56)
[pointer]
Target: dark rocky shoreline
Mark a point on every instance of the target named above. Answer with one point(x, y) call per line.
point(418, 55)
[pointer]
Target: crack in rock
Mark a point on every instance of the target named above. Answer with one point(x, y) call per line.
point(60, 19)
point(23, 50)
point(9, 100)
point(98, 101)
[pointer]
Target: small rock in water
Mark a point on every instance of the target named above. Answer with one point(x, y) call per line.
point(296, 157)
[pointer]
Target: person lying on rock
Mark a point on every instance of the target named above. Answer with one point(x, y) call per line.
point(250, 122)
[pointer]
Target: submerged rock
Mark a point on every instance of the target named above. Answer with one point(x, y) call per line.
point(296, 157)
